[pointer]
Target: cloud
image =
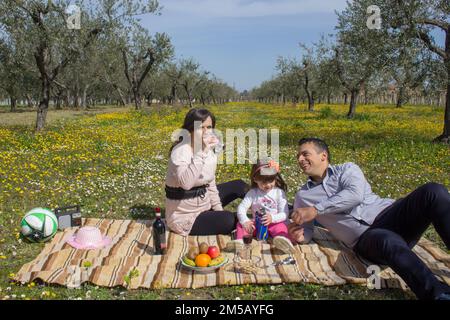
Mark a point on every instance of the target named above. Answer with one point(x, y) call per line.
point(249, 8)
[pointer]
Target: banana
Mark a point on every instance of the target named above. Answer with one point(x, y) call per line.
point(216, 261)
point(188, 261)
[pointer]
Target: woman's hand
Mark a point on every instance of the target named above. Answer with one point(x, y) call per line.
point(209, 141)
point(267, 219)
point(249, 227)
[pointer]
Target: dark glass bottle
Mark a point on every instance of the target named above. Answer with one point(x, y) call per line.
point(159, 234)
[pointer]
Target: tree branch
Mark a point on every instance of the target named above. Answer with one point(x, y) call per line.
point(433, 22)
point(126, 69)
point(339, 71)
point(427, 41)
point(66, 60)
point(150, 63)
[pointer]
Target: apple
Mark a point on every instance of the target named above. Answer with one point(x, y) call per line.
point(213, 252)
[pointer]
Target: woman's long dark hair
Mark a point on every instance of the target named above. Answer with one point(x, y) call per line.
point(193, 115)
point(257, 176)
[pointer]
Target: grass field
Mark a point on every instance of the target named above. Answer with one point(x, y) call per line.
point(113, 163)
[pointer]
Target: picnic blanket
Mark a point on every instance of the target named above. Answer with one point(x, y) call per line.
point(129, 261)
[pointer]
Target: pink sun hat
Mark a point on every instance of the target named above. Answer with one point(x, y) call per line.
point(88, 238)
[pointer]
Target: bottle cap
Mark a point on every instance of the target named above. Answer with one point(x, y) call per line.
point(158, 211)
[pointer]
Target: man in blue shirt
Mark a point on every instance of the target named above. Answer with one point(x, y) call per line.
point(381, 230)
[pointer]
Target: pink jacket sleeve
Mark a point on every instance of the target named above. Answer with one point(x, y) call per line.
point(187, 168)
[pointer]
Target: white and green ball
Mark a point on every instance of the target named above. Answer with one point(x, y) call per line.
point(39, 225)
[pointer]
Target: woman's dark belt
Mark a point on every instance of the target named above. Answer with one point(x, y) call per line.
point(181, 194)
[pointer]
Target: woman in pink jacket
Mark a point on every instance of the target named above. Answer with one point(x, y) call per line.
point(194, 203)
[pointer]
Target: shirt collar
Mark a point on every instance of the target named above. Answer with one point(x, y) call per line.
point(330, 171)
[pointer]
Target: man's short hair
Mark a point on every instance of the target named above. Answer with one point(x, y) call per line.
point(320, 145)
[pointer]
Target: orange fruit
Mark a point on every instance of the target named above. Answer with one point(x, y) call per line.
point(202, 260)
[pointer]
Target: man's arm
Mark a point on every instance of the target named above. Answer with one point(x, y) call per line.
point(352, 182)
point(300, 230)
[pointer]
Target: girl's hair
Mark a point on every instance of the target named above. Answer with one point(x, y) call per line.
point(193, 115)
point(256, 175)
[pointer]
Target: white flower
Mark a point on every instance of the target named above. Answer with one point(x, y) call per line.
point(237, 298)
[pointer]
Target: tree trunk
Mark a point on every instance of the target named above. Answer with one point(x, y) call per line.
point(445, 136)
point(84, 97)
point(149, 99)
point(310, 102)
point(353, 100)
point(329, 98)
point(137, 99)
point(190, 100)
point(58, 103)
point(345, 98)
point(67, 99)
point(400, 97)
point(76, 98)
point(13, 104)
point(189, 94)
point(43, 105)
point(29, 101)
point(122, 98)
point(174, 94)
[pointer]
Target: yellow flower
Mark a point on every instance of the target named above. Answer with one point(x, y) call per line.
point(2, 257)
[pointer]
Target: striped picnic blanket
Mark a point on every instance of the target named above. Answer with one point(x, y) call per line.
point(129, 261)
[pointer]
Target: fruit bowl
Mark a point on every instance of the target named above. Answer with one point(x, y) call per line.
point(204, 269)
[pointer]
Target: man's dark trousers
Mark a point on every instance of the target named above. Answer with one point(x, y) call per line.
point(398, 228)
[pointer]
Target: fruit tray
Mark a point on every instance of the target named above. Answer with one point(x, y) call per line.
point(204, 269)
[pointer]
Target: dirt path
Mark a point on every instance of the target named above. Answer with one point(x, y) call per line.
point(28, 118)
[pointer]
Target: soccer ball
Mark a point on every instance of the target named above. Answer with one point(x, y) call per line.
point(39, 225)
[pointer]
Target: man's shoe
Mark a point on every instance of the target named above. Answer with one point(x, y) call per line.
point(443, 296)
point(283, 244)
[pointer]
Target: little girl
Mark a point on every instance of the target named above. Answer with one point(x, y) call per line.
point(267, 194)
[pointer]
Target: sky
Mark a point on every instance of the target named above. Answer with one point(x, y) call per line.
point(239, 41)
